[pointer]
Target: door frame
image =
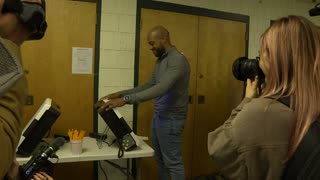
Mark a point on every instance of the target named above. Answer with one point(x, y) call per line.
point(96, 75)
point(164, 6)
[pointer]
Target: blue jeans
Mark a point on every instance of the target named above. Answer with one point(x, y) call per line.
point(167, 140)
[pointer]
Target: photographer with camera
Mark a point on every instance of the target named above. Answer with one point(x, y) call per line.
point(19, 21)
point(264, 131)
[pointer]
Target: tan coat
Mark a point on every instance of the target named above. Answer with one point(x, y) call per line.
point(11, 105)
point(253, 143)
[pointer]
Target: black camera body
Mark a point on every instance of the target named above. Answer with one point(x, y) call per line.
point(36, 165)
point(40, 160)
point(31, 14)
point(244, 68)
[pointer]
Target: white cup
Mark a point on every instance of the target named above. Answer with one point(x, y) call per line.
point(76, 146)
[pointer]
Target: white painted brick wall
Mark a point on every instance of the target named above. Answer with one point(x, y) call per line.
point(117, 45)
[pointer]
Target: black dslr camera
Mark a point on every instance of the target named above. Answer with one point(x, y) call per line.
point(40, 160)
point(244, 68)
point(31, 14)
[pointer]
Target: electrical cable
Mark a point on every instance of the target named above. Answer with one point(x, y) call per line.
point(121, 150)
point(121, 169)
point(101, 139)
point(105, 174)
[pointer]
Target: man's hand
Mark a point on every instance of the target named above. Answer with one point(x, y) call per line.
point(252, 88)
point(113, 103)
point(111, 96)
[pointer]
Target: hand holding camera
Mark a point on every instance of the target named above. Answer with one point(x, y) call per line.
point(248, 70)
point(14, 173)
point(252, 90)
point(40, 161)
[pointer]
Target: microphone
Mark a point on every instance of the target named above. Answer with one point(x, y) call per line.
point(53, 147)
point(315, 11)
point(40, 162)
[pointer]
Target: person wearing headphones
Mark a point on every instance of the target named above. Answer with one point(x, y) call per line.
point(14, 30)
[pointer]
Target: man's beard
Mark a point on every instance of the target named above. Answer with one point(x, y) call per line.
point(159, 52)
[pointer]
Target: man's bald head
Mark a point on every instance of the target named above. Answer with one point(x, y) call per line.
point(159, 40)
point(159, 32)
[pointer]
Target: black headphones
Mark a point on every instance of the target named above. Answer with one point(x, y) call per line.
point(31, 14)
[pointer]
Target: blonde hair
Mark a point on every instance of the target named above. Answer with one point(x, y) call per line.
point(292, 45)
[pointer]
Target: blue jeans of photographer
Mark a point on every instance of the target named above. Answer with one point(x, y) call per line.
point(167, 141)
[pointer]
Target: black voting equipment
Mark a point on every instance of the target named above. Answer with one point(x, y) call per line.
point(124, 134)
point(37, 127)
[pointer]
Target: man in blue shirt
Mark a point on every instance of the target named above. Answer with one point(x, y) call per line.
point(168, 85)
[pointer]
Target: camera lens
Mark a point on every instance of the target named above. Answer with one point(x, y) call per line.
point(244, 68)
